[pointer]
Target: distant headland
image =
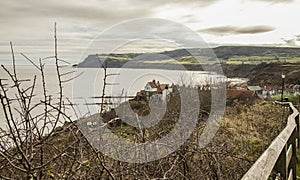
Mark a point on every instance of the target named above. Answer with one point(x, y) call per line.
point(186, 57)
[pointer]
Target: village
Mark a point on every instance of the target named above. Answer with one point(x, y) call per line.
point(154, 90)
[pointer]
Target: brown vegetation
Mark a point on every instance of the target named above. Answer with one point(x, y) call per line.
point(245, 133)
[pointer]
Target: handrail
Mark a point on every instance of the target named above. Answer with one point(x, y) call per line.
point(280, 156)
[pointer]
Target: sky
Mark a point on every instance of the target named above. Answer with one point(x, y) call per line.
point(29, 24)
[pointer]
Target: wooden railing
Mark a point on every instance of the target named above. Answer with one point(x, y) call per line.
point(280, 157)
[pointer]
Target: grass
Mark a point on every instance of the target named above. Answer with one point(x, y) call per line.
point(291, 98)
point(251, 59)
point(259, 59)
point(119, 58)
point(252, 128)
point(245, 132)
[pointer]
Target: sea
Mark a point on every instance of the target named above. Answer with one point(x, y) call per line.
point(82, 87)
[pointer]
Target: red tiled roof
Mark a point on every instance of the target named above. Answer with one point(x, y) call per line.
point(153, 84)
point(272, 87)
point(233, 93)
point(141, 93)
point(163, 86)
point(160, 87)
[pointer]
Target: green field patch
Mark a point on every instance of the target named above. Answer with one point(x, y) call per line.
point(268, 58)
point(119, 58)
point(168, 61)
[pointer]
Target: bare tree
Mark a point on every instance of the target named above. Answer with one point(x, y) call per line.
point(30, 144)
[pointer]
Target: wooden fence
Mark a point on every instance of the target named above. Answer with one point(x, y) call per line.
point(279, 160)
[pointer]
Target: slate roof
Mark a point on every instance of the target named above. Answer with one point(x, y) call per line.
point(254, 88)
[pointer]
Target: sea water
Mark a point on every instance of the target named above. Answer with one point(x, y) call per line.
point(82, 86)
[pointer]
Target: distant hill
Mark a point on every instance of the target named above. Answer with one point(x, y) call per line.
point(264, 73)
point(226, 54)
point(260, 64)
point(228, 51)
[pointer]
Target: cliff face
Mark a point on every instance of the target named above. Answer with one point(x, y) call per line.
point(265, 73)
point(93, 62)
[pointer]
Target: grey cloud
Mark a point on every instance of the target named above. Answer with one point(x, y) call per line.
point(30, 22)
point(34, 19)
point(276, 1)
point(190, 18)
point(92, 10)
point(292, 41)
point(289, 42)
point(16, 16)
point(154, 3)
point(231, 30)
point(105, 11)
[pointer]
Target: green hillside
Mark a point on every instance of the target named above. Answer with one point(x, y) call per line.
point(225, 54)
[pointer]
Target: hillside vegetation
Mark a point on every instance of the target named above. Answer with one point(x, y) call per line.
point(261, 65)
point(186, 57)
point(264, 73)
point(245, 132)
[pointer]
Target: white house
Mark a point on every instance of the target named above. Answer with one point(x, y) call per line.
point(155, 91)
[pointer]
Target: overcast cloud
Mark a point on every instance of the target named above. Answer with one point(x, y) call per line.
point(232, 30)
point(277, 1)
point(29, 23)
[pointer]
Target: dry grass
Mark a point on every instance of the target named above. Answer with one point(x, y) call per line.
point(245, 132)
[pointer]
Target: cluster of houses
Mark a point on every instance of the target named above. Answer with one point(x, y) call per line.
point(271, 90)
point(265, 91)
point(154, 90)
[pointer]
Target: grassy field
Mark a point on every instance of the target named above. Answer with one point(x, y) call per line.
point(295, 99)
point(259, 59)
point(115, 57)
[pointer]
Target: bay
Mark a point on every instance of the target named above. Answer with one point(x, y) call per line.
point(89, 84)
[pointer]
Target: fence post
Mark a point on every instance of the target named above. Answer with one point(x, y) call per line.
point(298, 132)
point(285, 147)
point(293, 162)
point(280, 166)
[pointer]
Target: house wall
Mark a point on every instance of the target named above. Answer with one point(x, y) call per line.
point(149, 88)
